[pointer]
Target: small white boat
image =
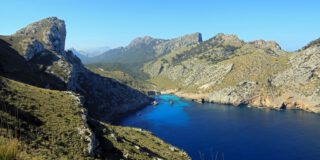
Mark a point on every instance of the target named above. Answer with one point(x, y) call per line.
point(154, 103)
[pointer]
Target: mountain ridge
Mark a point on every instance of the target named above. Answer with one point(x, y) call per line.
point(152, 48)
point(223, 65)
point(228, 70)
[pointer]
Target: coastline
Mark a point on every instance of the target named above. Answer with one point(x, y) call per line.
point(259, 101)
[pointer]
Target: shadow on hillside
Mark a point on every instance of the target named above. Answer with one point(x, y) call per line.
point(108, 150)
point(15, 122)
point(20, 114)
point(14, 66)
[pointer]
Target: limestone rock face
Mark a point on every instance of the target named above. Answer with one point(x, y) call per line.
point(55, 38)
point(305, 67)
point(188, 73)
point(31, 47)
point(51, 31)
point(235, 95)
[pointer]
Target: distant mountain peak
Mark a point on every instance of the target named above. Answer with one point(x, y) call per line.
point(183, 40)
point(226, 37)
point(142, 40)
point(194, 37)
point(265, 44)
point(92, 52)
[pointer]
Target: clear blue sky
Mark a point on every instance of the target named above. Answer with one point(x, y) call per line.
point(94, 23)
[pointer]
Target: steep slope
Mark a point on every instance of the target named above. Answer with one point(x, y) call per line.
point(39, 49)
point(61, 124)
point(106, 98)
point(225, 69)
point(54, 125)
point(84, 58)
point(48, 123)
point(195, 63)
point(13, 65)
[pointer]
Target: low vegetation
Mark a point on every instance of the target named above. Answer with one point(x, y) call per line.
point(46, 122)
point(9, 148)
point(135, 143)
point(122, 77)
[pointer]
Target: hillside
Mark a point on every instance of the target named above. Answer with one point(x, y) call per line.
point(123, 77)
point(47, 122)
point(52, 107)
point(54, 125)
point(228, 70)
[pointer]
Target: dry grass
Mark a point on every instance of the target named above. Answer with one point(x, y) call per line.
point(140, 144)
point(51, 127)
point(9, 149)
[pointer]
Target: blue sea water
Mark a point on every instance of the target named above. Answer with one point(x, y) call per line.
point(207, 131)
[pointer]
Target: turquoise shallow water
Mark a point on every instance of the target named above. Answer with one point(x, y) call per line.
point(236, 133)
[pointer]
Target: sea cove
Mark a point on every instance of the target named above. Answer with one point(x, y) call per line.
point(207, 131)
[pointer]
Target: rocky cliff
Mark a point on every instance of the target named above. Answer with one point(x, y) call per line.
point(51, 31)
point(106, 98)
point(226, 69)
point(42, 46)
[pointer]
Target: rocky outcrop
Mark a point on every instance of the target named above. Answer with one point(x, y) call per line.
point(30, 48)
point(228, 39)
point(305, 68)
point(85, 131)
point(188, 73)
point(50, 31)
point(235, 95)
point(266, 44)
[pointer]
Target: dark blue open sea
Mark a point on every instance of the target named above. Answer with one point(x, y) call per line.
point(205, 131)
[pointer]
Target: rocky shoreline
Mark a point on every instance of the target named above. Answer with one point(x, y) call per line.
point(259, 101)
